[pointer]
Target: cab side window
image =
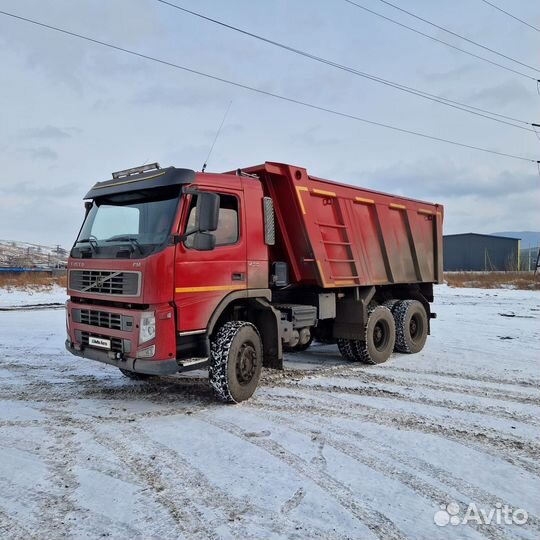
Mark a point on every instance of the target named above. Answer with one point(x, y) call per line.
point(227, 232)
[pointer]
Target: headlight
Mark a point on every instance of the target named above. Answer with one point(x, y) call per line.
point(147, 330)
point(67, 315)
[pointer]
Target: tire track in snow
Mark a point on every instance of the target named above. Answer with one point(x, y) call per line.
point(367, 375)
point(378, 523)
point(414, 483)
point(12, 528)
point(472, 431)
point(371, 391)
point(60, 460)
point(146, 472)
point(529, 448)
point(219, 500)
point(407, 461)
point(187, 518)
point(493, 445)
point(470, 376)
point(294, 501)
point(451, 386)
point(56, 501)
point(359, 370)
point(421, 466)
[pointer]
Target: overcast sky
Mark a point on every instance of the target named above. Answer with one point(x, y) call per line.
point(72, 112)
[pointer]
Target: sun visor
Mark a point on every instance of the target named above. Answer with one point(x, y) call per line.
point(147, 180)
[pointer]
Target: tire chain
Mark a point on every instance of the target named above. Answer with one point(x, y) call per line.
point(399, 313)
point(355, 350)
point(219, 353)
point(345, 349)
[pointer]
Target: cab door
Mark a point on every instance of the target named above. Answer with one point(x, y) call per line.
point(204, 278)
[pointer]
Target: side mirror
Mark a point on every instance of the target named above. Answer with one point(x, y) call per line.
point(203, 241)
point(207, 211)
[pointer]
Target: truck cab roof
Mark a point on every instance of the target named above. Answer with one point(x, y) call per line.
point(145, 177)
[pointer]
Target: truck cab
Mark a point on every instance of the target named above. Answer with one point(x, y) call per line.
point(158, 252)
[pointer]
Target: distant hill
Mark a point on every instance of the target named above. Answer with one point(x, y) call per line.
point(23, 254)
point(528, 238)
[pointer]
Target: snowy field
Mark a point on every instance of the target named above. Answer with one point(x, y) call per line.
point(324, 450)
point(12, 298)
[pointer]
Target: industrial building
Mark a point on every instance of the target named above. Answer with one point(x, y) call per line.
point(480, 252)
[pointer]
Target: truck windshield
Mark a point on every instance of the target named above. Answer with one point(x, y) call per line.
point(142, 220)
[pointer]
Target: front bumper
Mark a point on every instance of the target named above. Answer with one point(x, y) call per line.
point(139, 365)
point(120, 328)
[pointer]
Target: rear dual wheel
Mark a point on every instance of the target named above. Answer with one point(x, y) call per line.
point(411, 326)
point(380, 337)
point(346, 349)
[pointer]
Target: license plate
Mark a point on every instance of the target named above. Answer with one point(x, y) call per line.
point(99, 342)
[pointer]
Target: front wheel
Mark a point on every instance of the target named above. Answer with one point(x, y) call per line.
point(235, 362)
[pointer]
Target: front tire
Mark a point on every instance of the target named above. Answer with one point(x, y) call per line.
point(235, 362)
point(411, 326)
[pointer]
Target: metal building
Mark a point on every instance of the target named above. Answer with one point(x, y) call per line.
point(480, 252)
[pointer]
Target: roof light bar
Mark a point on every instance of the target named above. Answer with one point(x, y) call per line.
point(136, 170)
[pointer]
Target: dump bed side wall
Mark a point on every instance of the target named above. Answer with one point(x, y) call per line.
point(338, 236)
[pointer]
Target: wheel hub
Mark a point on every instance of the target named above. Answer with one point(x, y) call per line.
point(415, 327)
point(246, 363)
point(379, 335)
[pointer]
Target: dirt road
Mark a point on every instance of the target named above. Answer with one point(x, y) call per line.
point(324, 450)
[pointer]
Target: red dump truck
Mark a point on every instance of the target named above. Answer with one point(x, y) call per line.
point(175, 270)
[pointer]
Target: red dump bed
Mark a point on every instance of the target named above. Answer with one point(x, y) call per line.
point(336, 235)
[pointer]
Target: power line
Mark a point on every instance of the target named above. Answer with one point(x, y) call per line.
point(420, 93)
point(510, 15)
point(261, 91)
point(455, 34)
point(483, 58)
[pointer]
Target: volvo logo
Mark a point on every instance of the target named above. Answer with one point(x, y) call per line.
point(100, 282)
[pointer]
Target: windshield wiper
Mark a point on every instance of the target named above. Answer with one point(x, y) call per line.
point(132, 240)
point(92, 240)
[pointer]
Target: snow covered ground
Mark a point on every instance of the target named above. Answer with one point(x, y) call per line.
point(36, 297)
point(324, 450)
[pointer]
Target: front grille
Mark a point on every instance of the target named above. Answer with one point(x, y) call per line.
point(115, 283)
point(101, 319)
point(117, 344)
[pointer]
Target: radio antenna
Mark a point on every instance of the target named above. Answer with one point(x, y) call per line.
point(216, 137)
